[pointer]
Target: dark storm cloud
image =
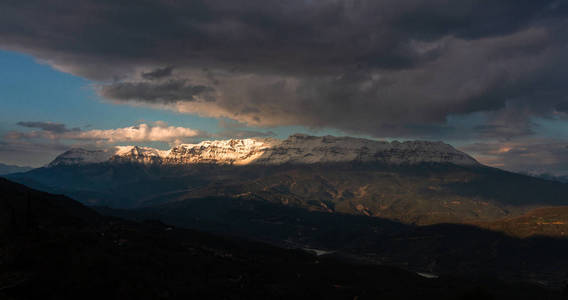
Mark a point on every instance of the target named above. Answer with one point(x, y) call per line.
point(48, 126)
point(234, 129)
point(164, 92)
point(378, 67)
point(503, 131)
point(158, 73)
point(243, 134)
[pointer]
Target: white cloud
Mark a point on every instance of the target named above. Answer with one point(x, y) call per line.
point(156, 132)
point(139, 133)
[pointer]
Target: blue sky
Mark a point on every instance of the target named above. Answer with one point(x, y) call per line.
point(32, 91)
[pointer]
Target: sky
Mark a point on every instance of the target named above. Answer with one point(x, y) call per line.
point(487, 76)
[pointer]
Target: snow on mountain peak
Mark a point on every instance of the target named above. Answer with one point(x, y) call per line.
point(234, 151)
point(138, 154)
point(297, 149)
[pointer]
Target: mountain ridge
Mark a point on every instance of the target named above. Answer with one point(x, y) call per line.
point(411, 182)
point(296, 149)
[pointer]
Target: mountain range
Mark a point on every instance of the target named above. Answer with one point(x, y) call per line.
point(297, 149)
point(415, 182)
point(420, 206)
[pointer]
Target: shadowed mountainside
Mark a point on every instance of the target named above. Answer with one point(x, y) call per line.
point(420, 194)
point(440, 249)
point(55, 248)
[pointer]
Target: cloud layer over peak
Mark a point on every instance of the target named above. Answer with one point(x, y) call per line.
point(156, 132)
point(383, 68)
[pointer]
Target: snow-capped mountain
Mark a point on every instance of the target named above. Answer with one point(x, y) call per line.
point(300, 171)
point(297, 149)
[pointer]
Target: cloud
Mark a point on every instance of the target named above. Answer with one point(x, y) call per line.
point(157, 132)
point(243, 134)
point(30, 153)
point(234, 129)
point(139, 133)
point(376, 67)
point(40, 146)
point(165, 92)
point(48, 126)
point(534, 156)
point(158, 73)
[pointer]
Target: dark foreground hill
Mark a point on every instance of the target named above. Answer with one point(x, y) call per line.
point(54, 248)
point(446, 249)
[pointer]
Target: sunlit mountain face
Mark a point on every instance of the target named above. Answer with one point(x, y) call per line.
point(297, 149)
point(332, 141)
point(415, 182)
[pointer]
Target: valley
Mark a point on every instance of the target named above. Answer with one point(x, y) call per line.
point(53, 247)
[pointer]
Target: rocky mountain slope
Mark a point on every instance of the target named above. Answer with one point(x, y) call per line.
point(411, 182)
point(297, 149)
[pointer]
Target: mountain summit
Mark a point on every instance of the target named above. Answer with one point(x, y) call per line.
point(297, 149)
